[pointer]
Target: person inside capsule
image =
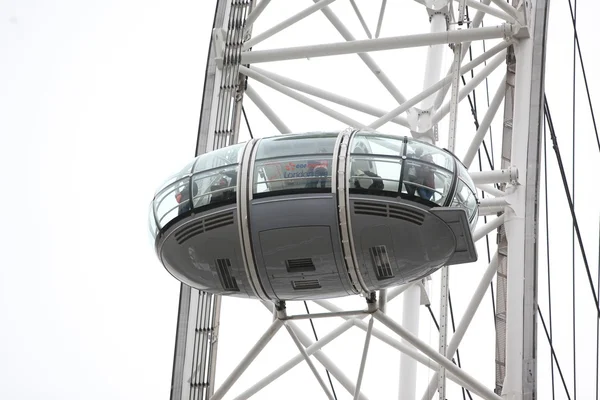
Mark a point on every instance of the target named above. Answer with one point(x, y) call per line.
point(223, 189)
point(183, 197)
point(319, 169)
point(420, 178)
point(360, 169)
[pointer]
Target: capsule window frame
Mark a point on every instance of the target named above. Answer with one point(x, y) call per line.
point(454, 173)
point(260, 162)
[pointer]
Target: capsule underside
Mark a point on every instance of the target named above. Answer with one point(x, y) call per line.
point(317, 237)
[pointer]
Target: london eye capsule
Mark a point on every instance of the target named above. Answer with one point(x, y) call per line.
point(317, 215)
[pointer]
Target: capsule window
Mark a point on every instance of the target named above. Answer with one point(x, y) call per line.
point(215, 187)
point(153, 228)
point(465, 198)
point(374, 174)
point(223, 157)
point(375, 164)
point(466, 178)
point(294, 164)
point(291, 145)
point(380, 145)
point(210, 179)
point(171, 201)
point(426, 181)
point(422, 151)
point(183, 173)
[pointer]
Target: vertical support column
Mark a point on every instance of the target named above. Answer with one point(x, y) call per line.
point(410, 321)
point(445, 279)
point(196, 341)
point(424, 131)
point(433, 69)
point(522, 219)
point(501, 277)
point(443, 345)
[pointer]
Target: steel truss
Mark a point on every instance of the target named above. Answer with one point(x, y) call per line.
point(515, 64)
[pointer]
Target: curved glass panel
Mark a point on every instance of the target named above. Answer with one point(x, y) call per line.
point(380, 145)
point(465, 198)
point(171, 201)
point(464, 175)
point(426, 181)
point(375, 163)
point(185, 172)
point(152, 227)
point(219, 158)
point(213, 179)
point(296, 144)
point(422, 151)
point(473, 222)
point(294, 163)
point(215, 187)
point(375, 173)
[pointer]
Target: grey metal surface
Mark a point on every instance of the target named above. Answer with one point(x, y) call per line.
point(211, 252)
point(458, 222)
point(302, 227)
point(296, 247)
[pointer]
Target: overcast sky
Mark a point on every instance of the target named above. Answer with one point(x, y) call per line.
point(99, 101)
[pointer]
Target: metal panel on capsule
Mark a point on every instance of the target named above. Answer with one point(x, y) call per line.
point(395, 187)
point(295, 231)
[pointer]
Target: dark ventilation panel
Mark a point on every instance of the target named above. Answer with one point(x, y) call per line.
point(408, 214)
point(381, 262)
point(218, 221)
point(191, 230)
point(300, 265)
point(378, 209)
point(306, 284)
point(224, 272)
point(204, 225)
point(397, 211)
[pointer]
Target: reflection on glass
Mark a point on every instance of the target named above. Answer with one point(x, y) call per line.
point(426, 152)
point(152, 228)
point(426, 181)
point(294, 162)
point(375, 163)
point(292, 145)
point(465, 198)
point(210, 179)
point(464, 175)
point(215, 187)
point(377, 145)
point(219, 158)
point(373, 173)
point(169, 203)
point(184, 172)
point(378, 164)
point(293, 173)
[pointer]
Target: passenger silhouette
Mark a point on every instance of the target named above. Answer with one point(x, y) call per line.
point(223, 189)
point(421, 178)
point(362, 168)
point(184, 199)
point(319, 169)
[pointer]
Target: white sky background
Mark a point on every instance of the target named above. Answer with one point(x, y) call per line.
point(99, 102)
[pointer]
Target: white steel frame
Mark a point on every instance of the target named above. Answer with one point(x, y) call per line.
point(523, 28)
